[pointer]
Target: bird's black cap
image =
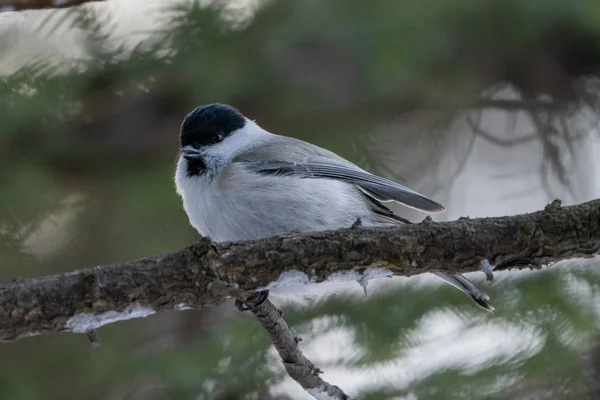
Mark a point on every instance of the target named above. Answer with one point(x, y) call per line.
point(209, 124)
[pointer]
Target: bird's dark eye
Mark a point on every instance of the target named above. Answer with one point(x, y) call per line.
point(220, 136)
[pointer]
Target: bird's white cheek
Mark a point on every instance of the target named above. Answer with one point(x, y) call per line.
point(192, 190)
point(180, 175)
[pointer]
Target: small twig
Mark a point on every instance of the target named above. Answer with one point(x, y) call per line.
point(296, 364)
point(477, 130)
point(463, 162)
point(22, 5)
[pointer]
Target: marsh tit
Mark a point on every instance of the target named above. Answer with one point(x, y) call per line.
point(240, 182)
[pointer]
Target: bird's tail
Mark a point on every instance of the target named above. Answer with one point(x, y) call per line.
point(467, 287)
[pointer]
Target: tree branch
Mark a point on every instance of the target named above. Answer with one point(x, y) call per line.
point(206, 273)
point(296, 364)
point(22, 5)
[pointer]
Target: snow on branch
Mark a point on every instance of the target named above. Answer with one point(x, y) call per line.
point(207, 273)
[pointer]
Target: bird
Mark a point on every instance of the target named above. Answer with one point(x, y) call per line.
point(238, 182)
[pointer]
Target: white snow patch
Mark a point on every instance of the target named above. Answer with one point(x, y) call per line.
point(85, 322)
point(319, 393)
point(362, 279)
point(182, 307)
point(296, 286)
point(289, 278)
point(293, 278)
point(290, 283)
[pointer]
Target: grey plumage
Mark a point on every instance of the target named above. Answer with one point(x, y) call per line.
point(305, 160)
point(250, 184)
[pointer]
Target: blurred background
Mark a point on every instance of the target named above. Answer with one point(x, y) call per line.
point(490, 107)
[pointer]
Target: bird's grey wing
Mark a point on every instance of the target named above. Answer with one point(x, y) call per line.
point(375, 187)
point(308, 161)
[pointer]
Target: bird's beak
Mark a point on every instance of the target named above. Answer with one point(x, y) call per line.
point(190, 153)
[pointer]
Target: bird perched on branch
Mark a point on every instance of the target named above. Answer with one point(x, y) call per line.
point(240, 182)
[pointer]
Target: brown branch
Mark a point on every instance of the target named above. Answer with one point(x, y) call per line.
point(296, 364)
point(22, 5)
point(205, 273)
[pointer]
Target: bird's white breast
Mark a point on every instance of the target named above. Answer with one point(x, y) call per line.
point(230, 203)
point(197, 199)
point(241, 205)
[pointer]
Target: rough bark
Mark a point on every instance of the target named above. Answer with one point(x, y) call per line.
point(206, 273)
point(298, 367)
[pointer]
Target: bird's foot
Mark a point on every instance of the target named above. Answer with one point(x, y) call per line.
point(254, 300)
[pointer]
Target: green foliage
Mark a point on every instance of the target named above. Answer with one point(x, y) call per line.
point(410, 336)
